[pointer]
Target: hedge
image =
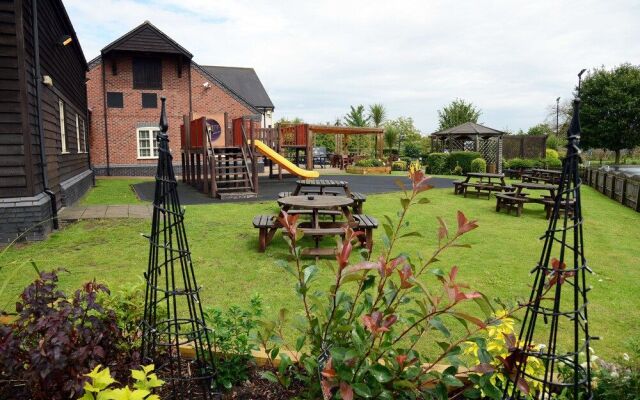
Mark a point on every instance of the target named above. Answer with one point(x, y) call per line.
point(437, 164)
point(463, 159)
point(369, 162)
point(399, 165)
point(478, 165)
point(527, 163)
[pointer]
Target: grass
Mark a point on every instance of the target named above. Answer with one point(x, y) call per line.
point(504, 250)
point(110, 191)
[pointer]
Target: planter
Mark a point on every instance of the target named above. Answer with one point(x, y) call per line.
point(352, 169)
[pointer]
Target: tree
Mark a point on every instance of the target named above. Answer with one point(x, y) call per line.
point(356, 117)
point(610, 110)
point(403, 131)
point(377, 114)
point(296, 120)
point(456, 113)
point(540, 129)
point(390, 136)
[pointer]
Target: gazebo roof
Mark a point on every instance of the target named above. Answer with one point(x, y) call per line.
point(469, 129)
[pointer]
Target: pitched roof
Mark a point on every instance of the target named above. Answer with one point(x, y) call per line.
point(469, 128)
point(146, 38)
point(244, 82)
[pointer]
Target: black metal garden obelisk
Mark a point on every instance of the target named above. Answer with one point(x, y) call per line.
point(558, 298)
point(173, 316)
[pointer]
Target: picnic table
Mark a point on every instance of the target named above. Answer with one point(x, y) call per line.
point(483, 183)
point(324, 187)
point(538, 175)
point(514, 201)
point(316, 228)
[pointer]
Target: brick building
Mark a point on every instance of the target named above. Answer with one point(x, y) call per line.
point(44, 163)
point(125, 82)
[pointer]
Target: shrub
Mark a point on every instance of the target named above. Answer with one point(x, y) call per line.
point(619, 381)
point(552, 163)
point(478, 165)
point(56, 340)
point(463, 159)
point(554, 142)
point(230, 336)
point(358, 334)
point(457, 170)
point(399, 165)
point(412, 150)
point(550, 153)
point(100, 385)
point(369, 162)
point(437, 163)
point(415, 165)
point(521, 163)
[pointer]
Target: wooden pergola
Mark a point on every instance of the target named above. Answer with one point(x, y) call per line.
point(342, 132)
point(471, 137)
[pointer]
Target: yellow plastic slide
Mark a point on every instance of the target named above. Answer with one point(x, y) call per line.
point(283, 162)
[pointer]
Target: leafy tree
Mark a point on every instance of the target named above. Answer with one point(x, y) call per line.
point(284, 120)
point(356, 117)
point(610, 113)
point(377, 114)
point(457, 112)
point(403, 131)
point(540, 129)
point(390, 136)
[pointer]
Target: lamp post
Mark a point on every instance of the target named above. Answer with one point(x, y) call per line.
point(557, 115)
point(580, 79)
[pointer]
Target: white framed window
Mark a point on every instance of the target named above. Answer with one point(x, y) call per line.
point(84, 136)
point(78, 148)
point(147, 143)
point(63, 133)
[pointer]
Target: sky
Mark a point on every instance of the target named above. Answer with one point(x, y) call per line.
point(510, 58)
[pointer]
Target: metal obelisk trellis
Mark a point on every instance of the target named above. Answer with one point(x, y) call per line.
point(558, 297)
point(173, 315)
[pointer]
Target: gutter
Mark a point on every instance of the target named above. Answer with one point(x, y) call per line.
point(38, 82)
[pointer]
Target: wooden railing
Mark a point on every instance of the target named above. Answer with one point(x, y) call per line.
point(614, 184)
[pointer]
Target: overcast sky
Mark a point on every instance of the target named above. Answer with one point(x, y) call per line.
point(510, 58)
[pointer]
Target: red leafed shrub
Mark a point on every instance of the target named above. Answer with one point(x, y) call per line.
point(55, 340)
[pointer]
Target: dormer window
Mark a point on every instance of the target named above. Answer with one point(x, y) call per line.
point(147, 73)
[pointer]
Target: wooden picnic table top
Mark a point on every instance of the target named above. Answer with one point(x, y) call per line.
point(484, 175)
point(535, 186)
point(322, 183)
point(315, 202)
point(548, 171)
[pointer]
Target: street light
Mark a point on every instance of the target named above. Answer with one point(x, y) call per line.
point(580, 79)
point(557, 115)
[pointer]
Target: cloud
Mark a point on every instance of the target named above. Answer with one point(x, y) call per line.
point(509, 58)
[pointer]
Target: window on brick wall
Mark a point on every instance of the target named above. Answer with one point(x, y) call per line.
point(115, 100)
point(147, 143)
point(149, 100)
point(63, 131)
point(147, 73)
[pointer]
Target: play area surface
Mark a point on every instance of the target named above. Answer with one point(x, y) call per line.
point(269, 188)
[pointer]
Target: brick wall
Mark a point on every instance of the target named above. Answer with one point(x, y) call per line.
point(122, 122)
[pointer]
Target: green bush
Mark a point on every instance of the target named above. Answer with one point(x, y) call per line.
point(522, 163)
point(457, 170)
point(478, 165)
point(463, 159)
point(412, 150)
point(550, 153)
point(552, 163)
point(399, 166)
point(369, 162)
point(437, 163)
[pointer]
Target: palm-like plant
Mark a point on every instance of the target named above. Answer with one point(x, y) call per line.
point(377, 114)
point(356, 117)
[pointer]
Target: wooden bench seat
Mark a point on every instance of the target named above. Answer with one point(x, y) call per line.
point(268, 226)
point(549, 204)
point(458, 187)
point(358, 199)
point(367, 224)
point(510, 202)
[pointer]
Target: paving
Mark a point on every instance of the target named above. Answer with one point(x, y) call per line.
point(103, 211)
point(268, 189)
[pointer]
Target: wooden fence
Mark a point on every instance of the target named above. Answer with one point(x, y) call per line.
point(523, 146)
point(616, 185)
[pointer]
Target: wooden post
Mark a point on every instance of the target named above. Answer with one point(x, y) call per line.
point(309, 147)
point(205, 157)
point(637, 183)
point(613, 187)
point(187, 147)
point(254, 158)
point(279, 150)
point(623, 197)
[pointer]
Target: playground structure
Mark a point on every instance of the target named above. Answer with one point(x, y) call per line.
point(224, 164)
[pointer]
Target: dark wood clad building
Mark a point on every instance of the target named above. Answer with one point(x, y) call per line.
point(44, 159)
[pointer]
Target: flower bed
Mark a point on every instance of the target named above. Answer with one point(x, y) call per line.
point(353, 169)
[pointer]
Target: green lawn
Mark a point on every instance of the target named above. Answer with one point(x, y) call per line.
point(113, 191)
point(223, 243)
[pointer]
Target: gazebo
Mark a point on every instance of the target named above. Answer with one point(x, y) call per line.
point(471, 137)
